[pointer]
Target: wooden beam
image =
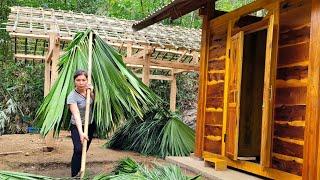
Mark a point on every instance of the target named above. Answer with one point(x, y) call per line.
point(252, 7)
point(173, 93)
point(311, 154)
point(157, 77)
point(162, 63)
point(28, 56)
point(146, 67)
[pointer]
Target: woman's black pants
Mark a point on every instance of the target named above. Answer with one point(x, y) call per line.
point(77, 147)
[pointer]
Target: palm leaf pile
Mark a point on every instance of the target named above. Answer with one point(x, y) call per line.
point(161, 133)
point(126, 169)
point(129, 169)
point(119, 93)
point(22, 176)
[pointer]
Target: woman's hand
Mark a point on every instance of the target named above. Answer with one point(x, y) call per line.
point(89, 86)
point(83, 137)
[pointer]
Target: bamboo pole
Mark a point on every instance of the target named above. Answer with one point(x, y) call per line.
point(86, 120)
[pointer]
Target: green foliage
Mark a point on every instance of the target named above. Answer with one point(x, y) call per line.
point(160, 133)
point(22, 176)
point(118, 92)
point(140, 172)
point(21, 92)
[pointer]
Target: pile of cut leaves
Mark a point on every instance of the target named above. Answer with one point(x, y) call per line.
point(161, 133)
point(126, 169)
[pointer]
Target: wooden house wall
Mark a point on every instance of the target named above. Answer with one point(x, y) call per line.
point(215, 90)
point(291, 90)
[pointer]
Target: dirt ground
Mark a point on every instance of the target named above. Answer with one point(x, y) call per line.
point(28, 155)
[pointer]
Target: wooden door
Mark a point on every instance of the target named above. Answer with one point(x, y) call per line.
point(233, 95)
point(269, 88)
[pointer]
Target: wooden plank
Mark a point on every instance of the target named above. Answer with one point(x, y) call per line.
point(173, 93)
point(212, 146)
point(293, 54)
point(295, 95)
point(213, 131)
point(291, 83)
point(234, 91)
point(290, 113)
point(226, 87)
point(287, 166)
point(162, 63)
point(255, 168)
point(214, 102)
point(215, 90)
point(269, 85)
point(29, 56)
point(214, 118)
point(244, 10)
point(311, 164)
point(216, 65)
point(296, 72)
point(201, 116)
point(287, 148)
point(287, 131)
point(216, 76)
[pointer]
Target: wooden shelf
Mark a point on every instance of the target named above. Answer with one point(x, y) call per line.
point(214, 110)
point(218, 58)
point(216, 72)
point(214, 138)
point(291, 83)
point(293, 44)
point(302, 63)
point(214, 125)
point(213, 82)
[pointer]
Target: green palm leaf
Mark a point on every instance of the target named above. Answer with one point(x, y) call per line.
point(140, 172)
point(8, 175)
point(160, 133)
point(118, 92)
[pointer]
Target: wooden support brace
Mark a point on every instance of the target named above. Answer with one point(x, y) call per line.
point(173, 92)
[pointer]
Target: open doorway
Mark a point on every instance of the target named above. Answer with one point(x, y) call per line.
point(252, 85)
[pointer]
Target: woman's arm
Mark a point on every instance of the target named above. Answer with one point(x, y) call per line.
point(76, 115)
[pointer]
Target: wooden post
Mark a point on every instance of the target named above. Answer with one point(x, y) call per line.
point(195, 57)
point(226, 88)
point(173, 92)
point(311, 154)
point(129, 49)
point(86, 118)
point(204, 52)
point(51, 72)
point(146, 66)
point(54, 46)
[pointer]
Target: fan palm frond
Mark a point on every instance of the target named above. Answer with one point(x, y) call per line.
point(118, 92)
point(160, 133)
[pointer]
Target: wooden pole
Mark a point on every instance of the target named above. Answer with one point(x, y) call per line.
point(311, 154)
point(146, 67)
point(86, 117)
point(173, 92)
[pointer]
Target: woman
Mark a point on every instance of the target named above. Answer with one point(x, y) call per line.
point(77, 104)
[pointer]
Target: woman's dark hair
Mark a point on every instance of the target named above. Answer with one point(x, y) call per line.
point(80, 72)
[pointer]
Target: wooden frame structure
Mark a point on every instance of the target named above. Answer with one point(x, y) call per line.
point(42, 34)
point(290, 109)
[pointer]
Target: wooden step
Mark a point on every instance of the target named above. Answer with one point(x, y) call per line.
point(219, 164)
